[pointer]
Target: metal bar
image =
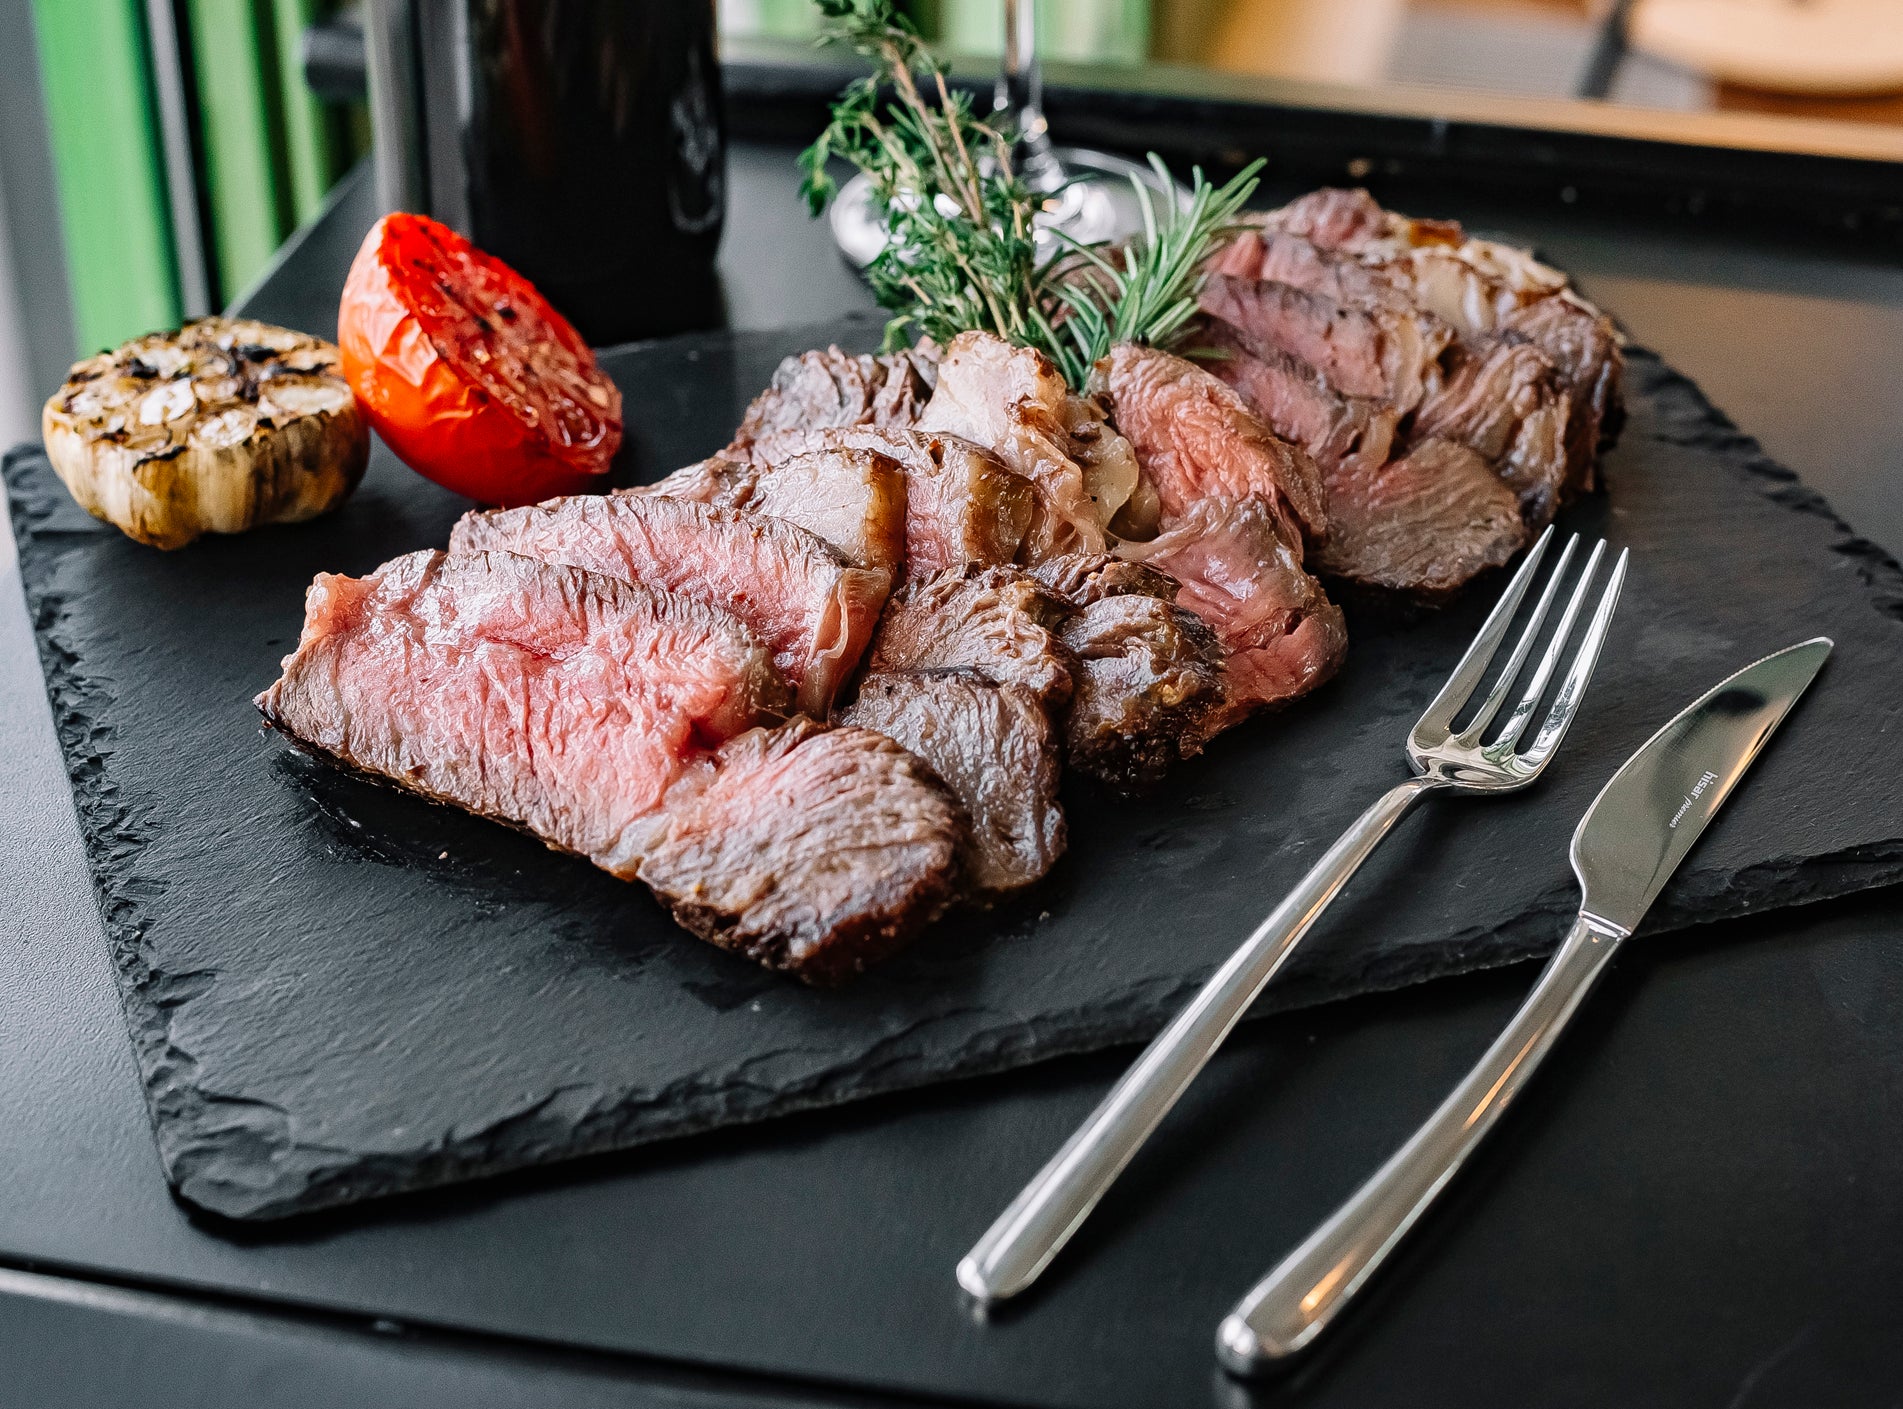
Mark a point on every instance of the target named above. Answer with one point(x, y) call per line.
point(183, 187)
point(397, 155)
point(1608, 52)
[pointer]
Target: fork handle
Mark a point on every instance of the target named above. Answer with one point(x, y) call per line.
point(1292, 1305)
point(1029, 1233)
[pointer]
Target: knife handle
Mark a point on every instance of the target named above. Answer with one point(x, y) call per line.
point(1041, 1219)
point(1290, 1307)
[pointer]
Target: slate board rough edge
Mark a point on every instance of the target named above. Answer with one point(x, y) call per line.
point(188, 1122)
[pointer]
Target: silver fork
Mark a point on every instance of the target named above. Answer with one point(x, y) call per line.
point(1029, 1233)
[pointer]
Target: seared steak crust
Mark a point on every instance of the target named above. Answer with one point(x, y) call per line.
point(998, 621)
point(1013, 402)
point(961, 504)
point(1083, 578)
point(1424, 524)
point(994, 747)
point(1149, 688)
point(821, 390)
point(1503, 400)
point(815, 851)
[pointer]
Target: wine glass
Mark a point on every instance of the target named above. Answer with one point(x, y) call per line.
point(1086, 194)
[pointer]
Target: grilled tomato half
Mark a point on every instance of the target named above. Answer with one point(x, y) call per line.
point(468, 373)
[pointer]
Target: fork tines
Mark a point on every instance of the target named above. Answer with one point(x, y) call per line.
point(1434, 734)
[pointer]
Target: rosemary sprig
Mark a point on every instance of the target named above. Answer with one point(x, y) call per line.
point(1150, 297)
point(961, 250)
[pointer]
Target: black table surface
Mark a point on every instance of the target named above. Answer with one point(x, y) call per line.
point(1696, 1205)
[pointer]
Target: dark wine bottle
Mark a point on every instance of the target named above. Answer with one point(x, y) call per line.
point(581, 141)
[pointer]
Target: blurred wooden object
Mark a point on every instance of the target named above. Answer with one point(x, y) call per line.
point(1730, 97)
point(1819, 47)
point(1325, 41)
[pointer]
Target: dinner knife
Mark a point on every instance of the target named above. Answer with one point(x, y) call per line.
point(1626, 847)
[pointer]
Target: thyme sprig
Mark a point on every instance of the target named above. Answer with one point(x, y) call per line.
point(962, 251)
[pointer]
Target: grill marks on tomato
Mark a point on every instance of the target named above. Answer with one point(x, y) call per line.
point(488, 322)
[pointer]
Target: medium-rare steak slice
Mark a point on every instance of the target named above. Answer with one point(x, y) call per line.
point(852, 497)
point(820, 390)
point(1012, 401)
point(1297, 403)
point(814, 612)
point(1195, 439)
point(1503, 400)
point(1241, 571)
point(998, 621)
point(1150, 687)
point(1423, 525)
point(816, 851)
point(961, 504)
point(1337, 218)
point(543, 696)
point(1381, 351)
point(1286, 258)
point(994, 747)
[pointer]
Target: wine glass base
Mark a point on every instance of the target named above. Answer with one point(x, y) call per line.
point(1096, 204)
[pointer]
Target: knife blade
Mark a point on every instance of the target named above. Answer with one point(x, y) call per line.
point(1655, 808)
point(1640, 827)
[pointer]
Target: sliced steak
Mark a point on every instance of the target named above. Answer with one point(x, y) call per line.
point(1383, 350)
point(1531, 385)
point(1584, 347)
point(1012, 402)
point(822, 390)
point(716, 480)
point(1297, 403)
point(539, 695)
point(1286, 258)
point(816, 851)
point(1196, 439)
point(852, 497)
point(1149, 688)
point(1336, 218)
point(814, 612)
point(1241, 571)
point(1479, 286)
point(1503, 400)
point(998, 621)
point(1422, 525)
point(961, 504)
point(1083, 578)
point(1149, 675)
point(994, 747)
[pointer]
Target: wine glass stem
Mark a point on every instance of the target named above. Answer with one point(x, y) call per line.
point(1021, 95)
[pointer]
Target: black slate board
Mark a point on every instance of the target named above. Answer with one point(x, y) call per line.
point(337, 992)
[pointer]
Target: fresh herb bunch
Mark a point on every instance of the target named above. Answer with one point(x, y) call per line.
point(961, 250)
